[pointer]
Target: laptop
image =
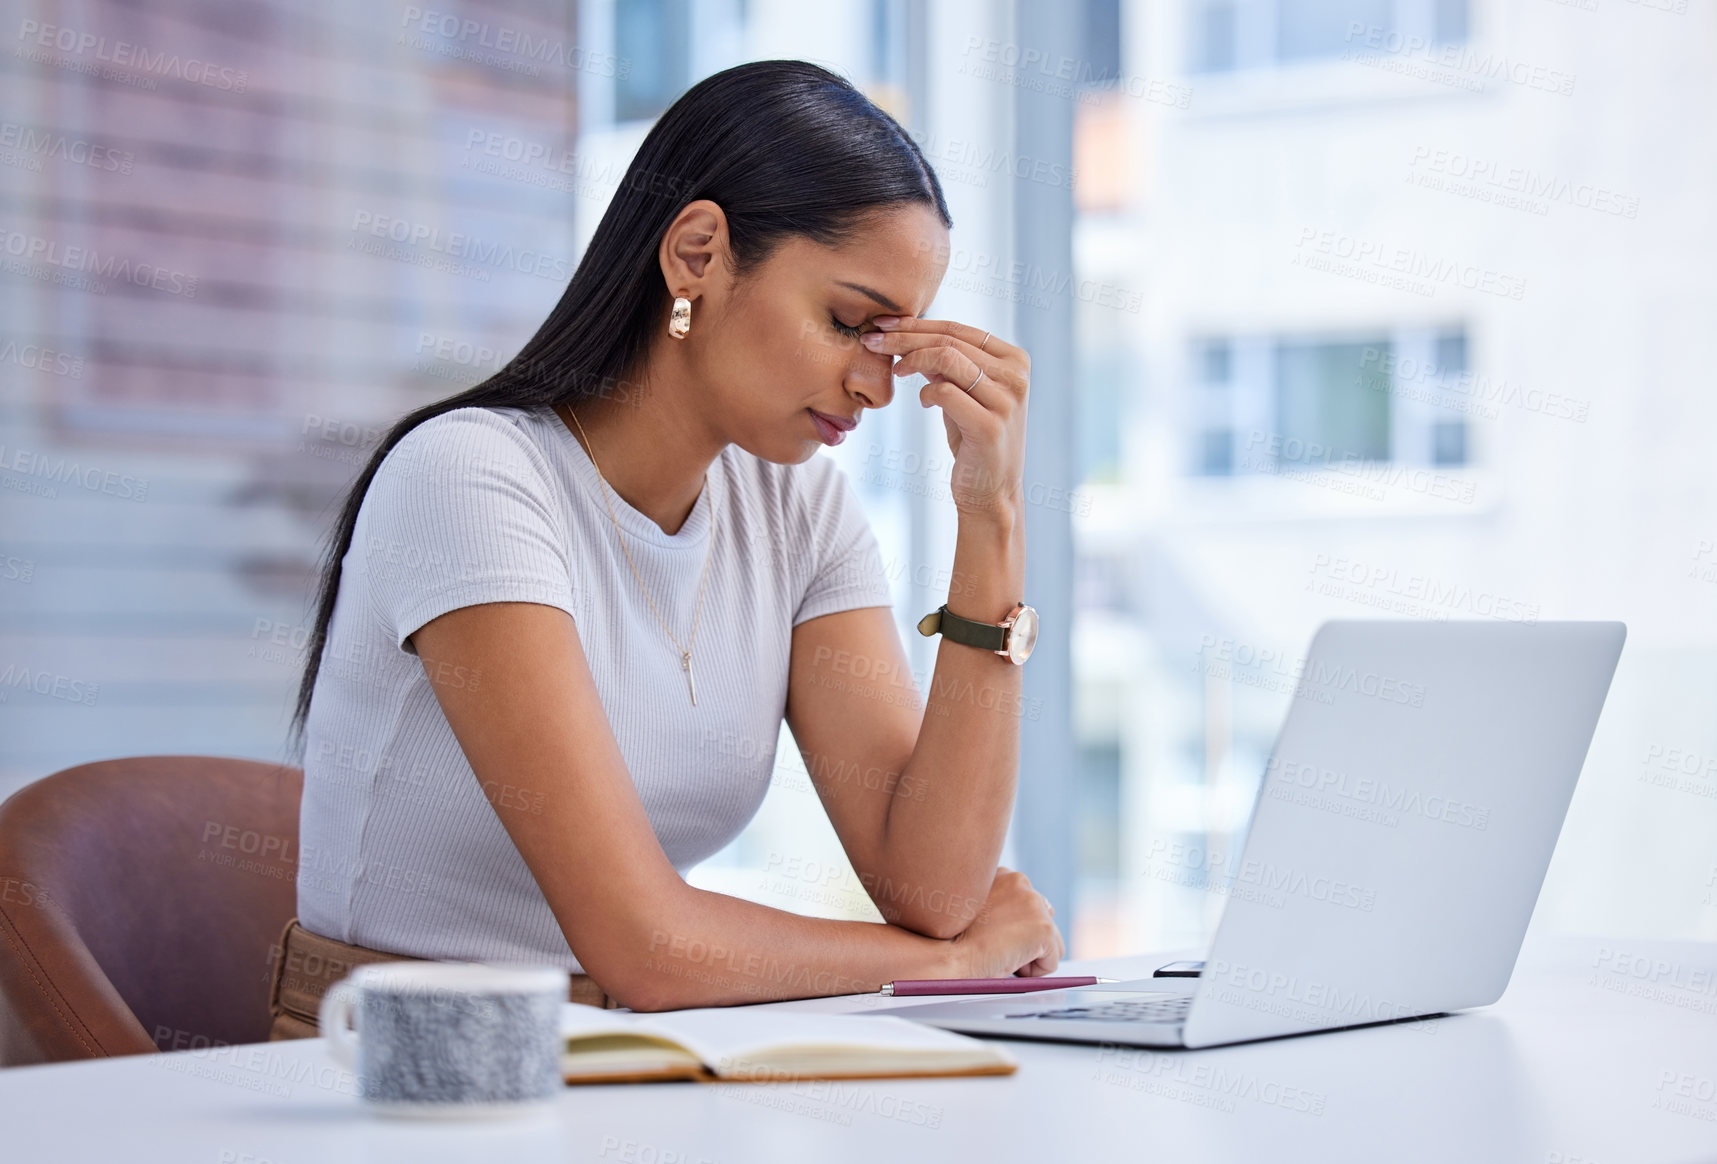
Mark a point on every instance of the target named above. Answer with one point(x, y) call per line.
point(1403, 826)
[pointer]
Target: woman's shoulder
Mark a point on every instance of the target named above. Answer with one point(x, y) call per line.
point(470, 440)
point(475, 424)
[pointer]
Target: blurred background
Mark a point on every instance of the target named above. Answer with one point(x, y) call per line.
point(1338, 308)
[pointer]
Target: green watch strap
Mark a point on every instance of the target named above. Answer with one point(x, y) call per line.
point(985, 635)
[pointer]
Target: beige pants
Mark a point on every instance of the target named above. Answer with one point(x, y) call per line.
point(307, 964)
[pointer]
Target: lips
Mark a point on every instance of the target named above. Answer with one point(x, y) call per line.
point(832, 429)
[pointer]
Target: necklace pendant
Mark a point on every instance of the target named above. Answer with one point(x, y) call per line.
point(691, 683)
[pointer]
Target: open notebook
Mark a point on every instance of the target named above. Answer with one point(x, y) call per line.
point(744, 1043)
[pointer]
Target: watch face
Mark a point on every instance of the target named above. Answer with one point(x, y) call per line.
point(1024, 635)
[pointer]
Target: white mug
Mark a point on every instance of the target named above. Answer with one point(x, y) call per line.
point(449, 1038)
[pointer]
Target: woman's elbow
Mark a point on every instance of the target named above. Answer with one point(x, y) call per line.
point(939, 924)
point(642, 997)
point(633, 984)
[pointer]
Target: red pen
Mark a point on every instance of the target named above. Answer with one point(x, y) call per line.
point(1013, 984)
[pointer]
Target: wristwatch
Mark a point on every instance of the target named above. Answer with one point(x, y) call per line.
point(1013, 638)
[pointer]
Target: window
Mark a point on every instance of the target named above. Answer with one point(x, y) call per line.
point(1100, 32)
point(1099, 809)
point(1263, 404)
point(1449, 443)
point(1229, 35)
point(1451, 353)
point(1215, 23)
point(1450, 21)
point(1326, 399)
point(1321, 28)
point(650, 35)
point(1213, 365)
point(1449, 368)
point(1216, 452)
point(1102, 376)
point(1216, 362)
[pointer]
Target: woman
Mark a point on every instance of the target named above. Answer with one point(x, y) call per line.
point(566, 611)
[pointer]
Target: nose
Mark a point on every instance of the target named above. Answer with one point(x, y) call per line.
point(870, 378)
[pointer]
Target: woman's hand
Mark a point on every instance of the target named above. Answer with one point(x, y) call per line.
point(986, 427)
point(1014, 933)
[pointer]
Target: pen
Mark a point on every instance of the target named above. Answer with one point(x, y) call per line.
point(1010, 985)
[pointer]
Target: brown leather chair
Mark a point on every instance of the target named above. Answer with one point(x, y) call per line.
point(140, 903)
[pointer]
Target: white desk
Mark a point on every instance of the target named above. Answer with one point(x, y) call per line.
point(1588, 1058)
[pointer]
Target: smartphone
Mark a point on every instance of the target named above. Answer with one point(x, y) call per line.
point(1179, 970)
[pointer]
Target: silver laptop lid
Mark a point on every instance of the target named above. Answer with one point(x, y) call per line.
point(1404, 824)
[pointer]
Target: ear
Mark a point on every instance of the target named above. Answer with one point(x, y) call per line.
point(694, 249)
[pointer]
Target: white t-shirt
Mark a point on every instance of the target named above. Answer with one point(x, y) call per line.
point(401, 848)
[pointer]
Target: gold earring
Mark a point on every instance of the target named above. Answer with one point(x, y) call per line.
point(680, 322)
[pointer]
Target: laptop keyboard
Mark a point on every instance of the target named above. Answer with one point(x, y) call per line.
point(1147, 1008)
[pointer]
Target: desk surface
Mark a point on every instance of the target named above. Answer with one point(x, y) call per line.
point(1600, 1052)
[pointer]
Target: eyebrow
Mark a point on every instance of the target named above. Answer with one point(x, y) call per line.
point(876, 295)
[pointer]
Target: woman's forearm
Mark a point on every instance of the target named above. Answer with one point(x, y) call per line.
point(940, 845)
point(709, 949)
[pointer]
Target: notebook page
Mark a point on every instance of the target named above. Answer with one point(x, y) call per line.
point(577, 1019)
point(716, 1034)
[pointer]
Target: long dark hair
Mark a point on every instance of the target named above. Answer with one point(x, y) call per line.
point(785, 148)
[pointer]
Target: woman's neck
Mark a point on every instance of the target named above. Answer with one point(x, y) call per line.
point(651, 447)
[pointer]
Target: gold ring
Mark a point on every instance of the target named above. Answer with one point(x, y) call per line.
point(981, 346)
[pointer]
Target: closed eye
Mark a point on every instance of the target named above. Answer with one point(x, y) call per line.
point(843, 328)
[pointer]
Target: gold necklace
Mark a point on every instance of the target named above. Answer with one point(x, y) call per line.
point(685, 651)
